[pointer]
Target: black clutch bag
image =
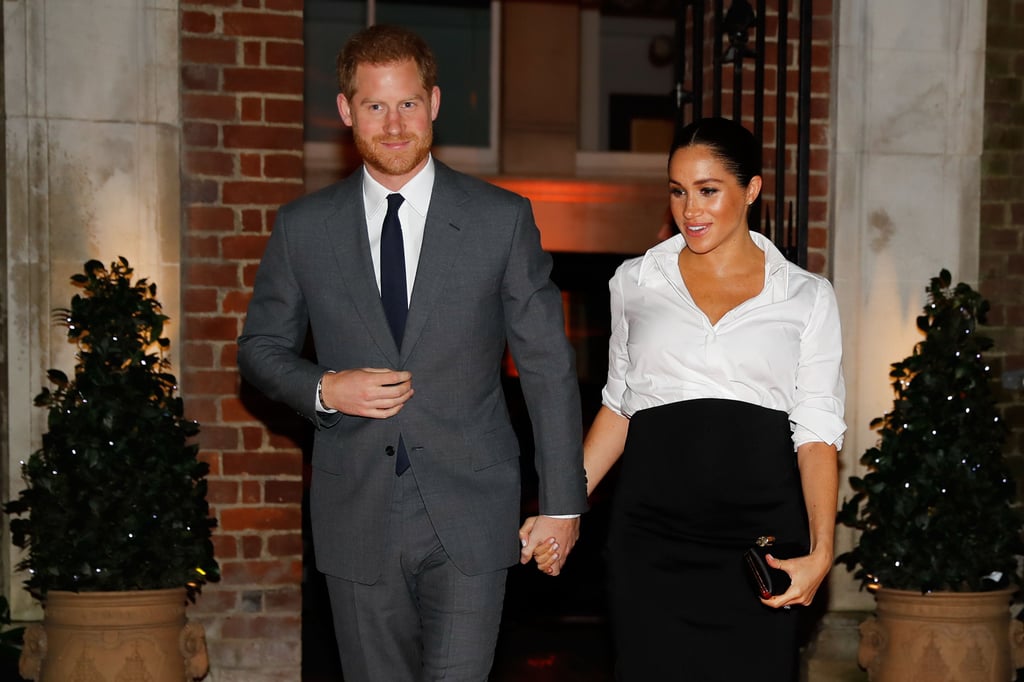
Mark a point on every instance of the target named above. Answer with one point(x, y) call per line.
point(768, 581)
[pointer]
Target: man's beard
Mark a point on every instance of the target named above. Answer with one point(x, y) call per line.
point(376, 156)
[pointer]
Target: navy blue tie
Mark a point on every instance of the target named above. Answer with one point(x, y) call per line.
point(393, 291)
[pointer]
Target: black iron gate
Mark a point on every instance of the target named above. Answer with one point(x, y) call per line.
point(781, 212)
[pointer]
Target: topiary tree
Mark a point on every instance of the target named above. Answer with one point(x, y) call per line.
point(115, 498)
point(935, 509)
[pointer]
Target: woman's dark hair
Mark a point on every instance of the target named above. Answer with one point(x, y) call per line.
point(732, 144)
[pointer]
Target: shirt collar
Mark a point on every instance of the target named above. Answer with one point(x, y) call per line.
point(773, 258)
point(669, 249)
point(660, 253)
point(416, 192)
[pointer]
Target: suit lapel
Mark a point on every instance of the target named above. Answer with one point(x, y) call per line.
point(346, 234)
point(442, 234)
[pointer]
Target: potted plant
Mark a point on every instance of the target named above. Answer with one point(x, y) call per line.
point(939, 537)
point(115, 500)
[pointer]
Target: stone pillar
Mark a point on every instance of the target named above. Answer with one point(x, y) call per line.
point(91, 92)
point(909, 85)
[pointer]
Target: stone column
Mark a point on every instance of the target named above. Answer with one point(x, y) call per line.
point(909, 83)
point(92, 171)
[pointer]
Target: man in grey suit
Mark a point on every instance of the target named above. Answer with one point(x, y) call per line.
point(411, 300)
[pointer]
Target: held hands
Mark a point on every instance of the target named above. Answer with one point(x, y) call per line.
point(368, 392)
point(549, 541)
point(806, 573)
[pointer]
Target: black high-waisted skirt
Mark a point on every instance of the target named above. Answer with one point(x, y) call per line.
point(699, 481)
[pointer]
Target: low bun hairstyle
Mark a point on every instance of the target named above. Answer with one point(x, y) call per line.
point(731, 143)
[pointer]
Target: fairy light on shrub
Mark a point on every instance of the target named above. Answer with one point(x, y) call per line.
point(938, 464)
point(112, 423)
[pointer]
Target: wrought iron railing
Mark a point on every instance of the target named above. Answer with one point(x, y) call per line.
point(781, 212)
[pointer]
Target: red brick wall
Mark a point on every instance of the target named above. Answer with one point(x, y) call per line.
point(241, 103)
point(818, 227)
point(1002, 208)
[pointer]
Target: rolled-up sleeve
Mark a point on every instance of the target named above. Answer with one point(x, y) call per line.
point(817, 414)
point(618, 354)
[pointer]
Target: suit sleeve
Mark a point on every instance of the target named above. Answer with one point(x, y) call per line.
point(276, 323)
point(535, 328)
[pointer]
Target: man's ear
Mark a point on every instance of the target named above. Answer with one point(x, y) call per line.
point(345, 110)
point(435, 102)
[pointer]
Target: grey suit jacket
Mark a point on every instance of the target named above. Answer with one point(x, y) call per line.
point(482, 280)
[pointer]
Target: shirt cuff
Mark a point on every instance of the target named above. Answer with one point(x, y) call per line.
point(319, 391)
point(812, 424)
point(561, 516)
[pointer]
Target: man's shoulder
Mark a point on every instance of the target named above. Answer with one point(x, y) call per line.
point(473, 186)
point(325, 198)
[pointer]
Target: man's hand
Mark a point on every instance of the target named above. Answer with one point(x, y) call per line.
point(368, 392)
point(551, 538)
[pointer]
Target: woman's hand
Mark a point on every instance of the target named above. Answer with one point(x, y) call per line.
point(545, 553)
point(806, 574)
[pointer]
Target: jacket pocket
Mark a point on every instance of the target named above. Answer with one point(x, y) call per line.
point(491, 447)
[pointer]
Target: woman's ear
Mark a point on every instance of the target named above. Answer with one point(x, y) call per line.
point(753, 189)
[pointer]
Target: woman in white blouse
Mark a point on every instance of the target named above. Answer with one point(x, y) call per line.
point(724, 399)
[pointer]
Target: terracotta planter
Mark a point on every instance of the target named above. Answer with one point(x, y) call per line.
point(941, 637)
point(108, 636)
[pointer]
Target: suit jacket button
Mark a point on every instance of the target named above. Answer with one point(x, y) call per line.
point(390, 450)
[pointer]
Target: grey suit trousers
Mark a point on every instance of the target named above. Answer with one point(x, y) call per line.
point(458, 615)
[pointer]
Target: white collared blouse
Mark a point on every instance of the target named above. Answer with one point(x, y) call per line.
point(781, 349)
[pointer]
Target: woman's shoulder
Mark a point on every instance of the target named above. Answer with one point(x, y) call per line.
point(819, 283)
point(796, 277)
point(809, 290)
point(633, 269)
point(627, 274)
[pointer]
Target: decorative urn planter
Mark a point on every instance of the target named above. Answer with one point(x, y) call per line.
point(941, 637)
point(136, 636)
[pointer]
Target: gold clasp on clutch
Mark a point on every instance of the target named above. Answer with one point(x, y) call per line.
point(765, 541)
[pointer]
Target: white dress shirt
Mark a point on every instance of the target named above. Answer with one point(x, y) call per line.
point(781, 349)
point(412, 214)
